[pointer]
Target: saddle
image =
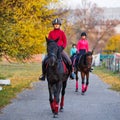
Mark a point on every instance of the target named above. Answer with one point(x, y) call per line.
point(65, 64)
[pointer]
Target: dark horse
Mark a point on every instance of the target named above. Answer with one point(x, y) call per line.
point(57, 75)
point(84, 66)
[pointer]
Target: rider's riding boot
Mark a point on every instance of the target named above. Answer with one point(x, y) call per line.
point(42, 78)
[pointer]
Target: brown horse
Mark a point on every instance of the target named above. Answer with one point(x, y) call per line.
point(84, 66)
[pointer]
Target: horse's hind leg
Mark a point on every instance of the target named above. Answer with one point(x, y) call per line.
point(83, 82)
point(76, 81)
point(62, 95)
point(87, 82)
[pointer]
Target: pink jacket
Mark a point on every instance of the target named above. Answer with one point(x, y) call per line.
point(82, 44)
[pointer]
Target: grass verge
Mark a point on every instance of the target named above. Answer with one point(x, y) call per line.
point(111, 78)
point(20, 75)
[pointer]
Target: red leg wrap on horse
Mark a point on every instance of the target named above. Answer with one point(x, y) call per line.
point(52, 106)
point(56, 108)
point(86, 87)
point(77, 84)
point(62, 101)
point(54, 102)
point(83, 88)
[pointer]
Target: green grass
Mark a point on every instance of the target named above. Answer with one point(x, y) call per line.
point(109, 77)
point(20, 75)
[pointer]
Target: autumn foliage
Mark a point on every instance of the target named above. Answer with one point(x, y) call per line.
point(23, 27)
point(113, 44)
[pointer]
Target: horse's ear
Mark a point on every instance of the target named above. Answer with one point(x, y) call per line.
point(57, 39)
point(46, 39)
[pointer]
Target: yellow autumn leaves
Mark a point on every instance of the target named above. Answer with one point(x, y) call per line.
point(113, 44)
point(23, 27)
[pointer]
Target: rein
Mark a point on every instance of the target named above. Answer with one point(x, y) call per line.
point(88, 64)
point(83, 61)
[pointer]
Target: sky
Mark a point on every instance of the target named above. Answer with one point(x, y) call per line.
point(100, 3)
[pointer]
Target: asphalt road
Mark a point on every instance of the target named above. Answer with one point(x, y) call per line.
point(98, 103)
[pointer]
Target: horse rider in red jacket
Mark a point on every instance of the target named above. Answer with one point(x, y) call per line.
point(62, 43)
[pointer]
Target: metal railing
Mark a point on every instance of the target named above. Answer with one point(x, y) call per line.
point(112, 64)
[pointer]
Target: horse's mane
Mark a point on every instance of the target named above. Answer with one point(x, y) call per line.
point(82, 60)
point(50, 41)
point(89, 53)
point(50, 45)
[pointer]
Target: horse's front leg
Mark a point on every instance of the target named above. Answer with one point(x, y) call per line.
point(76, 81)
point(57, 95)
point(62, 95)
point(87, 81)
point(83, 81)
point(51, 97)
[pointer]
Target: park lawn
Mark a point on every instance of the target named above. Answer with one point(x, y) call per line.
point(113, 79)
point(20, 75)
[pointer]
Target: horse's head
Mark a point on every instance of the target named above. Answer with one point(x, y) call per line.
point(88, 59)
point(52, 50)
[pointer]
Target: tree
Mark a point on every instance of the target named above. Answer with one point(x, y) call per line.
point(113, 44)
point(89, 18)
point(23, 26)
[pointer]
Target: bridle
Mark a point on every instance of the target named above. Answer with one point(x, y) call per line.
point(88, 63)
point(84, 62)
point(52, 55)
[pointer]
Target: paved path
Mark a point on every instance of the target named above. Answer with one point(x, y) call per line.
point(99, 103)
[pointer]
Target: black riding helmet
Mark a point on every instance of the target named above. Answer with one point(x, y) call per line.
point(83, 34)
point(56, 21)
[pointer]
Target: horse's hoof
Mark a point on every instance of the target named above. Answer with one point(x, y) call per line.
point(61, 109)
point(53, 111)
point(82, 93)
point(85, 90)
point(55, 115)
point(76, 90)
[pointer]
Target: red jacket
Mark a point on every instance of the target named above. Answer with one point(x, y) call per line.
point(57, 33)
point(82, 44)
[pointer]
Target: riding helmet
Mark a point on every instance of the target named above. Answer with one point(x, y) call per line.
point(56, 21)
point(83, 34)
